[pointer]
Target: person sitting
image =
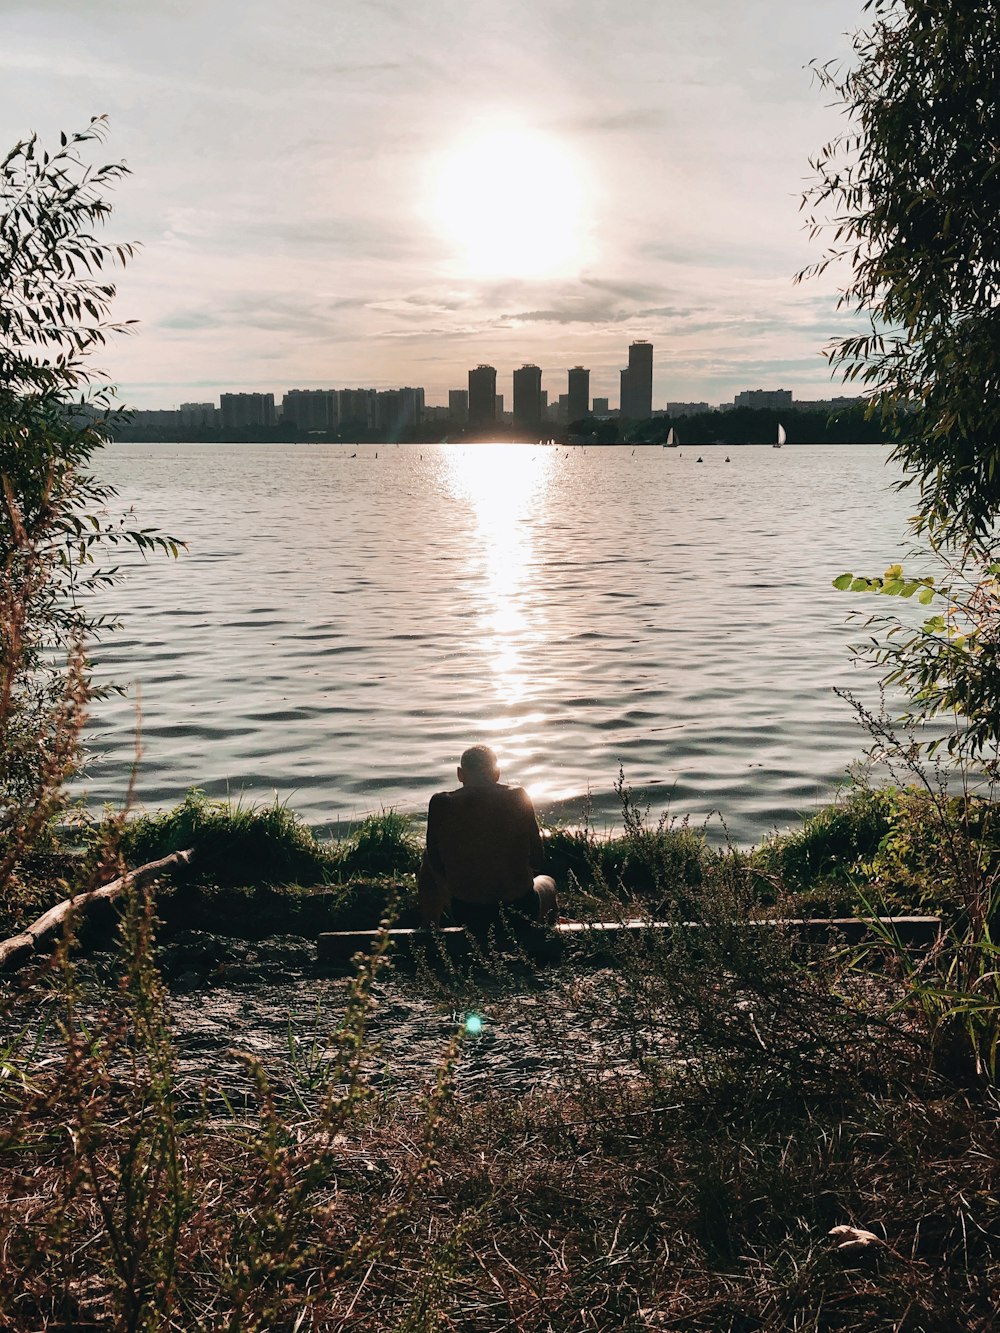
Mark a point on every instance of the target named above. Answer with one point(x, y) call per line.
point(484, 855)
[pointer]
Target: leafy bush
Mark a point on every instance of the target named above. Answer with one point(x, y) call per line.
point(235, 844)
point(935, 845)
point(831, 846)
point(383, 844)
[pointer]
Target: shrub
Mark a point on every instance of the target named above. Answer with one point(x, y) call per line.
point(831, 846)
point(235, 844)
point(383, 844)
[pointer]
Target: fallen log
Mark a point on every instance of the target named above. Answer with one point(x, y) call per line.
point(43, 932)
point(914, 932)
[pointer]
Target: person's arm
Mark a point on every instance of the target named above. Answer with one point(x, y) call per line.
point(432, 887)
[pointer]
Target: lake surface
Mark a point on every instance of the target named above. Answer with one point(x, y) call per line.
point(348, 618)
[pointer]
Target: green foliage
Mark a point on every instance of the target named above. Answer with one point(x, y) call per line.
point(234, 844)
point(55, 531)
point(831, 847)
point(651, 867)
point(916, 861)
point(383, 844)
point(948, 666)
point(911, 193)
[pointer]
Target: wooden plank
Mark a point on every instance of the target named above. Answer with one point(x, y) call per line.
point(911, 931)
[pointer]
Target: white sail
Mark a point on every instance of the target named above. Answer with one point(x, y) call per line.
point(671, 437)
point(781, 434)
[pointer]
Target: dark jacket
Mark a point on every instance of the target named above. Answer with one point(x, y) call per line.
point(483, 846)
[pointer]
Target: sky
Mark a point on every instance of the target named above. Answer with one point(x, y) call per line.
point(347, 193)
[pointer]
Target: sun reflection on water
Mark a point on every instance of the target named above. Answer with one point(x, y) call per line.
point(506, 486)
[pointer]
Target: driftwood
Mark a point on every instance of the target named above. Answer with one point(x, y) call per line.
point(43, 932)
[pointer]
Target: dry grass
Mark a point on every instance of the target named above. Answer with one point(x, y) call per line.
point(765, 1102)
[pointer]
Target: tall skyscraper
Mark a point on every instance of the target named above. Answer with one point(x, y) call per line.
point(625, 395)
point(578, 397)
point(482, 396)
point(640, 380)
point(636, 401)
point(528, 398)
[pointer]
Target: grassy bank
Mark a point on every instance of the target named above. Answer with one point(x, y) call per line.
point(759, 1099)
point(260, 870)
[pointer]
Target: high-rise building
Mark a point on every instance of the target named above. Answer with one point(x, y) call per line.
point(310, 409)
point(197, 416)
point(578, 397)
point(528, 398)
point(625, 395)
point(637, 382)
point(764, 398)
point(243, 410)
point(397, 410)
point(458, 405)
point(356, 407)
point(482, 395)
point(601, 407)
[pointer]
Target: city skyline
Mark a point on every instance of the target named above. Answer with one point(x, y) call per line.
point(326, 193)
point(477, 405)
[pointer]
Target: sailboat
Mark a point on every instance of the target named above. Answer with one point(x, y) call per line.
point(782, 437)
point(672, 440)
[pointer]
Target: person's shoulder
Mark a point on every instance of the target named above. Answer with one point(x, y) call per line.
point(517, 796)
point(442, 798)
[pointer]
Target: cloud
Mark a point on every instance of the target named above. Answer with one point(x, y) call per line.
point(629, 121)
point(251, 310)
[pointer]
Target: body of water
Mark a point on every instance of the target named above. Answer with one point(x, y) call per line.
point(348, 618)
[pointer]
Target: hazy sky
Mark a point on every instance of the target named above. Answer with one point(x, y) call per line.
point(365, 192)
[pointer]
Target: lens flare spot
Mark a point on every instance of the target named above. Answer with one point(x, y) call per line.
point(473, 1025)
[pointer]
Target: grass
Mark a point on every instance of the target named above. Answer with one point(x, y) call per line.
point(759, 1100)
point(756, 1099)
point(260, 869)
point(235, 844)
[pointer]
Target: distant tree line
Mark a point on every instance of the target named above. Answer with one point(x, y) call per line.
point(738, 425)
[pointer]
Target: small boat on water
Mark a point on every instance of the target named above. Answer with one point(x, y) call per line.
point(672, 440)
point(782, 437)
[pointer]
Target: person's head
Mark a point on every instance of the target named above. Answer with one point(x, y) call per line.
point(478, 767)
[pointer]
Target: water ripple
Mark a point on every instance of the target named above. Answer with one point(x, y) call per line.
point(338, 639)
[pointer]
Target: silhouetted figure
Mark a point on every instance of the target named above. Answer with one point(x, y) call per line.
point(699, 459)
point(484, 853)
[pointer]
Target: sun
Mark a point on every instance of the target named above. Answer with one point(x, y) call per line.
point(512, 202)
